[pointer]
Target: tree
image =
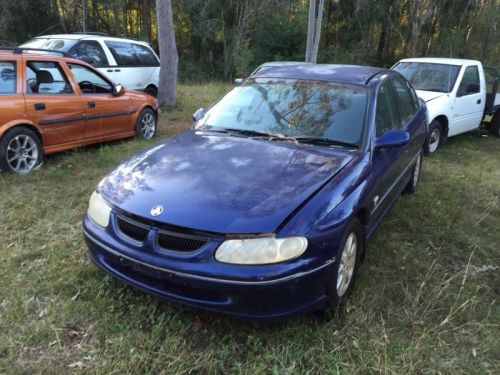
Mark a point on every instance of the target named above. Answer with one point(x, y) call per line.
point(168, 53)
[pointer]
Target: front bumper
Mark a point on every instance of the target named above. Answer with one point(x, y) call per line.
point(266, 298)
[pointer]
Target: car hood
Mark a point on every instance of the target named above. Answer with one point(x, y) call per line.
point(221, 183)
point(429, 95)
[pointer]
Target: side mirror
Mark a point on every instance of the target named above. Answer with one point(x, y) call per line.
point(392, 138)
point(238, 81)
point(198, 114)
point(118, 90)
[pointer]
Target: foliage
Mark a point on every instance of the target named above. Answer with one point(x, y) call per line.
point(223, 38)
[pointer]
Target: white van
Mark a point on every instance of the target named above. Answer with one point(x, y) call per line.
point(129, 62)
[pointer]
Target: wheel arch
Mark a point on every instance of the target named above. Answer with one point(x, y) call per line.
point(443, 120)
point(27, 125)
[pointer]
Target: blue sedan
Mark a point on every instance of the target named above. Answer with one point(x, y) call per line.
point(263, 209)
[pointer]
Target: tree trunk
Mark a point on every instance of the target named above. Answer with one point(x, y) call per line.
point(116, 18)
point(310, 30)
point(168, 54)
point(317, 34)
point(146, 20)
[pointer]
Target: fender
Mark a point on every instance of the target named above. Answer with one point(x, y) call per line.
point(24, 122)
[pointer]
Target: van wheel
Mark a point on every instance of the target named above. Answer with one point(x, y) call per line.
point(146, 124)
point(151, 90)
point(435, 138)
point(346, 265)
point(495, 125)
point(20, 151)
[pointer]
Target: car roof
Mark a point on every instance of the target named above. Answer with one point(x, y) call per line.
point(354, 74)
point(90, 37)
point(39, 55)
point(440, 60)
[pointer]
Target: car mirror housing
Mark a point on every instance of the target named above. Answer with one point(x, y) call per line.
point(198, 114)
point(392, 138)
point(238, 81)
point(118, 90)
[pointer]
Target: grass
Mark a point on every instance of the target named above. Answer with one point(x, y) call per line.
point(426, 300)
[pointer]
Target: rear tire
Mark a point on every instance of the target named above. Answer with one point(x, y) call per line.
point(411, 188)
point(346, 265)
point(146, 126)
point(151, 90)
point(494, 127)
point(20, 151)
point(435, 139)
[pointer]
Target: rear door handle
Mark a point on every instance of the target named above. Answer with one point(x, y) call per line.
point(40, 106)
point(109, 70)
point(479, 101)
point(91, 104)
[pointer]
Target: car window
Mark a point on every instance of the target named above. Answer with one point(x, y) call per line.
point(8, 77)
point(386, 115)
point(91, 52)
point(406, 102)
point(130, 54)
point(43, 77)
point(470, 82)
point(90, 82)
point(429, 76)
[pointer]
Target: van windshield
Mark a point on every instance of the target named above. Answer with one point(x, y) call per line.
point(429, 76)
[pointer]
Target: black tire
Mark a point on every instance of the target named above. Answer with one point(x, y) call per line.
point(146, 124)
point(20, 151)
point(412, 186)
point(151, 90)
point(336, 291)
point(494, 127)
point(435, 139)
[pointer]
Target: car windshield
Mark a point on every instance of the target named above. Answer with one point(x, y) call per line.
point(62, 45)
point(429, 76)
point(301, 110)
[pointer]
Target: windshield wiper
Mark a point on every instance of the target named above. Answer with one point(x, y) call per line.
point(325, 141)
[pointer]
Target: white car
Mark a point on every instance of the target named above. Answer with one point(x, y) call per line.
point(129, 62)
point(458, 95)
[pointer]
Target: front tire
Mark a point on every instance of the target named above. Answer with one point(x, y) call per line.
point(494, 127)
point(145, 127)
point(346, 265)
point(435, 138)
point(20, 151)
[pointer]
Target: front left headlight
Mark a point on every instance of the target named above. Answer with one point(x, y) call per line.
point(260, 250)
point(99, 210)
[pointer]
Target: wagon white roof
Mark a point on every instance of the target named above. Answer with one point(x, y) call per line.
point(90, 37)
point(441, 60)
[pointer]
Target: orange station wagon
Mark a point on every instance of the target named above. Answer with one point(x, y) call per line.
point(50, 103)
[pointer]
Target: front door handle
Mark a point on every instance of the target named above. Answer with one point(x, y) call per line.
point(40, 106)
point(479, 101)
point(117, 70)
point(91, 104)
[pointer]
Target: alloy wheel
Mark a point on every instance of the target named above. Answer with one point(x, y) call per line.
point(22, 154)
point(434, 140)
point(347, 264)
point(148, 125)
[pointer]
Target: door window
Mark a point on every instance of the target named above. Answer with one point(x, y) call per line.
point(470, 82)
point(406, 102)
point(89, 81)
point(386, 115)
point(91, 52)
point(8, 77)
point(129, 54)
point(43, 77)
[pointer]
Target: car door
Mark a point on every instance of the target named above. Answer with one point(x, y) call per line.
point(387, 163)
point(107, 114)
point(52, 103)
point(469, 101)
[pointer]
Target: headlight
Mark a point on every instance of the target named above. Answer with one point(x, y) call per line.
point(99, 210)
point(260, 250)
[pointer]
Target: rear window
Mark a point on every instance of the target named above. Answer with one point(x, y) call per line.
point(58, 44)
point(130, 54)
point(8, 77)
